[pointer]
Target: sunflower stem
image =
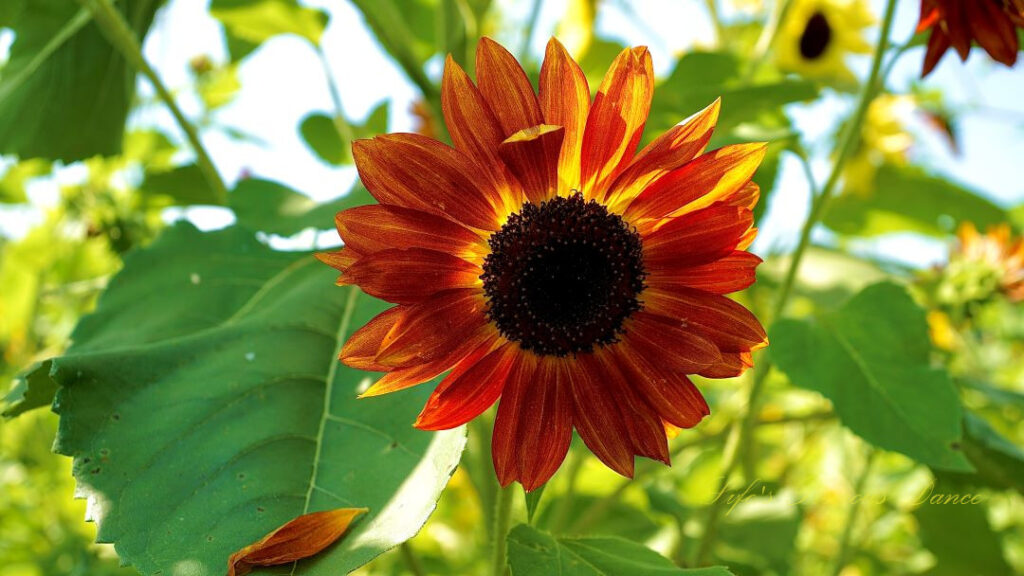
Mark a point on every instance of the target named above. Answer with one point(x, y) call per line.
point(847, 144)
point(341, 123)
point(412, 561)
point(502, 520)
point(842, 557)
point(120, 35)
point(716, 20)
point(764, 42)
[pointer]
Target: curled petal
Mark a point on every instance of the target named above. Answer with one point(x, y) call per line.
point(467, 351)
point(361, 349)
point(671, 394)
point(730, 274)
point(532, 155)
point(597, 417)
point(681, 349)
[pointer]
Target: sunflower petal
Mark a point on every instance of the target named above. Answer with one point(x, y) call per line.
point(565, 101)
point(680, 349)
point(504, 439)
point(723, 321)
point(682, 143)
point(362, 347)
point(532, 155)
point(699, 183)
point(469, 351)
point(413, 171)
point(732, 364)
point(472, 125)
point(377, 227)
point(597, 417)
point(730, 274)
point(472, 387)
point(431, 328)
point(616, 120)
point(544, 430)
point(410, 276)
point(671, 394)
point(695, 238)
point(505, 88)
point(646, 429)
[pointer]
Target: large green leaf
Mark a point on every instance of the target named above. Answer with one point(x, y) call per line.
point(32, 389)
point(535, 553)
point(65, 92)
point(871, 358)
point(249, 23)
point(999, 462)
point(908, 200)
point(276, 209)
point(207, 408)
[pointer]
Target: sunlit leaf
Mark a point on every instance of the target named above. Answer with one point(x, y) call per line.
point(210, 389)
point(12, 183)
point(535, 553)
point(32, 389)
point(65, 92)
point(249, 23)
point(908, 200)
point(871, 358)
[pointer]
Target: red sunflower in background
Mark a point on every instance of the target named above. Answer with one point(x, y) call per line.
point(544, 261)
point(992, 23)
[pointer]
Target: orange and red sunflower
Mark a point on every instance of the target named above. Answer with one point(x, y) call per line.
point(992, 23)
point(545, 262)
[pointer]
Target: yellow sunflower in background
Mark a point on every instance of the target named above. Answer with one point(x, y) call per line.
point(884, 140)
point(816, 36)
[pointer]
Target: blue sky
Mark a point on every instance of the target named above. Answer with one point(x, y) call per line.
point(283, 81)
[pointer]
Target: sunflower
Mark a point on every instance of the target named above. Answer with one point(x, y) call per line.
point(543, 261)
point(985, 264)
point(956, 23)
point(817, 36)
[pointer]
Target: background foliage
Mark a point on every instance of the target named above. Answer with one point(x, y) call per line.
point(192, 369)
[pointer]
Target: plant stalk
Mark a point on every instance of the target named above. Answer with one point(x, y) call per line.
point(502, 520)
point(848, 142)
point(117, 31)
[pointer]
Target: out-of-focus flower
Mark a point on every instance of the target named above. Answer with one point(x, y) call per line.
point(818, 35)
point(884, 140)
point(543, 261)
point(941, 330)
point(424, 117)
point(956, 23)
point(984, 264)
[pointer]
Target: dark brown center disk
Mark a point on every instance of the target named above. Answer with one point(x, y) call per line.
point(563, 276)
point(816, 37)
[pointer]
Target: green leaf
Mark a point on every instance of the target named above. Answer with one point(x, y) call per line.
point(65, 92)
point(871, 359)
point(406, 29)
point(332, 142)
point(249, 23)
point(761, 534)
point(209, 408)
point(909, 200)
point(620, 518)
point(700, 77)
point(32, 389)
point(12, 183)
point(533, 501)
point(276, 209)
point(999, 462)
point(960, 537)
point(535, 553)
point(185, 185)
